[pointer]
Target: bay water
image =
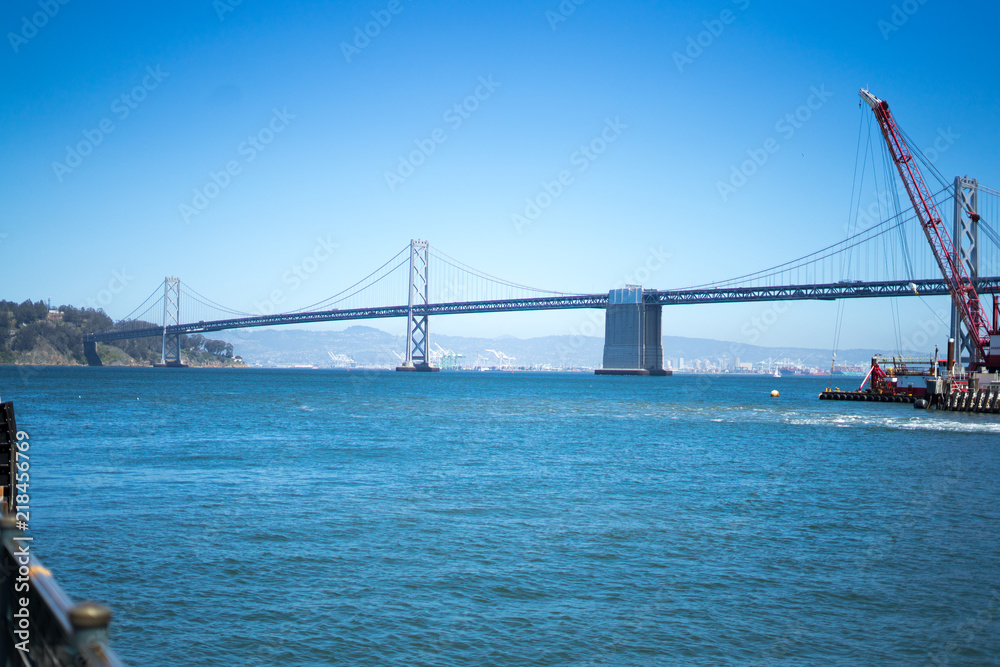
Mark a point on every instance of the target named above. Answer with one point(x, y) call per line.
point(314, 517)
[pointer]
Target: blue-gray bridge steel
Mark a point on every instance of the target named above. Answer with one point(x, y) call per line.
point(823, 292)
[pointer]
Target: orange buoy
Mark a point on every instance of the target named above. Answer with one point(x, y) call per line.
point(774, 393)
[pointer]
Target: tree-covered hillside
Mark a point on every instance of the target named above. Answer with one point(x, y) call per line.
point(32, 334)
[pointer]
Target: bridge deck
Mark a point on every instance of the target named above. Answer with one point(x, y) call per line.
point(825, 292)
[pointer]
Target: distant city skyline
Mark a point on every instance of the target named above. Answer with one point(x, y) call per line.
point(575, 146)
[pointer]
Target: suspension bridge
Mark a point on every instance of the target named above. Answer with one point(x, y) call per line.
point(889, 258)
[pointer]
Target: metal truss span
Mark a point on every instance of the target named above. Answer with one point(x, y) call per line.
point(823, 292)
point(457, 308)
point(826, 292)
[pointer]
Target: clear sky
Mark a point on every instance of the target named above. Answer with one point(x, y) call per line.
point(115, 117)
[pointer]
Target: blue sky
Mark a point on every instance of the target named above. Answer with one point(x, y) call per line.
point(200, 78)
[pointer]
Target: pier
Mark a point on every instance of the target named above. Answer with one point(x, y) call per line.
point(978, 392)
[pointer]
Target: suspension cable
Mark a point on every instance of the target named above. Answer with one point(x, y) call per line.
point(852, 218)
point(331, 299)
point(815, 256)
point(480, 274)
point(205, 301)
point(140, 306)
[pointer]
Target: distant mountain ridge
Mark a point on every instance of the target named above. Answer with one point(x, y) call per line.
point(367, 346)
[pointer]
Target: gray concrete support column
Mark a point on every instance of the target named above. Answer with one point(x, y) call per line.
point(633, 341)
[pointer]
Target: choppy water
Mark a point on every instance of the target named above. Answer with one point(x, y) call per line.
point(265, 517)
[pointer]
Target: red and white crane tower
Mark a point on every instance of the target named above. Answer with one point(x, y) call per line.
point(985, 339)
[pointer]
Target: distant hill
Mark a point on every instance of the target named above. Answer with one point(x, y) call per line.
point(367, 346)
point(33, 335)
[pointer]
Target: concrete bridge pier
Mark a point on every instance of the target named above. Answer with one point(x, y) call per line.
point(633, 335)
point(90, 353)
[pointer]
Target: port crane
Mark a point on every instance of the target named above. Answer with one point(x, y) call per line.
point(963, 291)
point(504, 361)
point(447, 358)
point(341, 359)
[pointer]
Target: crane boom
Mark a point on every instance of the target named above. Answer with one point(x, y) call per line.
point(960, 285)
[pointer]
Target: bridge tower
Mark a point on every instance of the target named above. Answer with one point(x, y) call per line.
point(417, 342)
point(171, 355)
point(966, 239)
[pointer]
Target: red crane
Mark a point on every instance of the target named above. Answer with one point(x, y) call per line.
point(963, 291)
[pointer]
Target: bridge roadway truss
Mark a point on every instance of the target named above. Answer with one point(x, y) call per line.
point(823, 292)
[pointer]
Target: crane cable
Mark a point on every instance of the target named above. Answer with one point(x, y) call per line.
point(888, 174)
point(852, 218)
